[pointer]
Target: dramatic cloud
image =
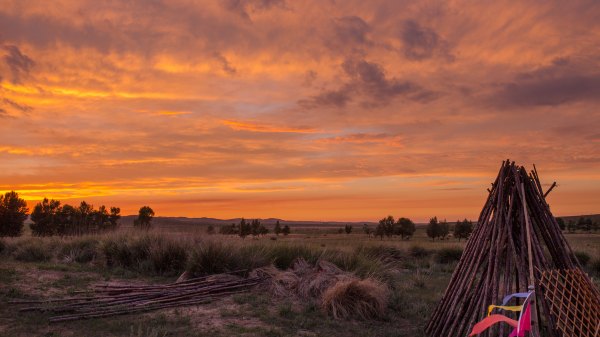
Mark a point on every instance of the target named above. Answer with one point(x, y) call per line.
point(368, 80)
point(421, 43)
point(326, 109)
point(556, 84)
point(20, 64)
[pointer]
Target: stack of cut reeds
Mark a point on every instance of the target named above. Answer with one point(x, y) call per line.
point(110, 300)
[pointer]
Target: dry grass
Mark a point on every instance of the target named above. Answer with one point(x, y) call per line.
point(353, 298)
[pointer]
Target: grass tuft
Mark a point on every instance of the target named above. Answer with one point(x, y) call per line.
point(361, 299)
point(583, 257)
point(33, 251)
point(448, 255)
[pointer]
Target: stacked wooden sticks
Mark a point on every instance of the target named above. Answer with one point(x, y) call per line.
point(495, 261)
point(111, 300)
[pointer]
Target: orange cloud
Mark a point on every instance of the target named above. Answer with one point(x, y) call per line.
point(329, 110)
point(258, 127)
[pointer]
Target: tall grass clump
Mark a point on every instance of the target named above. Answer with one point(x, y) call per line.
point(362, 299)
point(168, 257)
point(583, 257)
point(419, 252)
point(149, 254)
point(283, 255)
point(382, 252)
point(448, 255)
point(116, 252)
point(212, 257)
point(33, 251)
point(79, 250)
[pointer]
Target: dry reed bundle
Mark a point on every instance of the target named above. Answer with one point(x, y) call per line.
point(363, 299)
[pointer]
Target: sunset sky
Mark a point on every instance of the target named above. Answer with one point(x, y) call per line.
point(301, 110)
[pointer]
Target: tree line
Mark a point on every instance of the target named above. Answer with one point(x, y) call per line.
point(389, 227)
point(582, 224)
point(49, 217)
point(441, 229)
point(245, 228)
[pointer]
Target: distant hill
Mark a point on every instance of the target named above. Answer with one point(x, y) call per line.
point(127, 221)
point(595, 217)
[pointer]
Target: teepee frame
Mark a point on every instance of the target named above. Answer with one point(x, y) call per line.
point(496, 261)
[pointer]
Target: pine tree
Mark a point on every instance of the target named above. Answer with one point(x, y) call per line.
point(13, 212)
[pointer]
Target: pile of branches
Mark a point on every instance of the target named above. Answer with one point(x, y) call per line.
point(111, 300)
point(495, 261)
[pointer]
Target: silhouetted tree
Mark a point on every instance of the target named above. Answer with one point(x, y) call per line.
point(571, 226)
point(380, 230)
point(113, 218)
point(584, 224)
point(244, 229)
point(277, 229)
point(286, 230)
point(463, 229)
point(561, 223)
point(45, 218)
point(367, 230)
point(13, 212)
point(144, 219)
point(255, 227)
point(444, 229)
point(262, 230)
point(406, 228)
point(387, 225)
point(433, 228)
point(348, 229)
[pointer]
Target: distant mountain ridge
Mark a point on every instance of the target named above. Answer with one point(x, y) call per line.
point(127, 220)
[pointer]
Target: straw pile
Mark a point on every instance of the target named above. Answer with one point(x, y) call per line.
point(341, 294)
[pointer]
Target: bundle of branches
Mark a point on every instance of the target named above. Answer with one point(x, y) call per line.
point(341, 294)
point(496, 259)
point(110, 300)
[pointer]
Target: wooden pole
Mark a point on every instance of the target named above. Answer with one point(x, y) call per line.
point(534, 317)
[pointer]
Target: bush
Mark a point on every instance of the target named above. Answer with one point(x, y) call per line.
point(168, 257)
point(583, 258)
point(448, 255)
point(149, 254)
point(80, 251)
point(34, 251)
point(283, 255)
point(212, 258)
point(116, 252)
point(419, 252)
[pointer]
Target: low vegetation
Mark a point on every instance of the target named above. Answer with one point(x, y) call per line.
point(394, 283)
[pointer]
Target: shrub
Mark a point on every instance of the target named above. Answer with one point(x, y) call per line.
point(583, 258)
point(80, 251)
point(448, 255)
point(168, 257)
point(116, 252)
point(212, 258)
point(419, 252)
point(34, 251)
point(283, 255)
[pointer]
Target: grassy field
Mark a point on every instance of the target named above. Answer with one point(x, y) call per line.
point(416, 272)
